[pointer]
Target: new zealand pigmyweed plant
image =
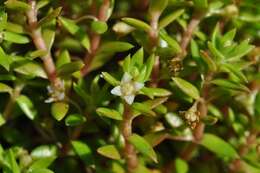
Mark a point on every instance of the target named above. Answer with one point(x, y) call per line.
point(130, 86)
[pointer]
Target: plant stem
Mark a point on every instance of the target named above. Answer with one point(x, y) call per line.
point(153, 36)
point(95, 39)
point(187, 35)
point(39, 43)
point(129, 150)
point(199, 130)
point(236, 165)
point(186, 154)
point(11, 102)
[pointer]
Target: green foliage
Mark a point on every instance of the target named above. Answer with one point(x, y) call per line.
point(109, 151)
point(152, 86)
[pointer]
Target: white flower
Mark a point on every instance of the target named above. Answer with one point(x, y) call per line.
point(127, 88)
point(56, 95)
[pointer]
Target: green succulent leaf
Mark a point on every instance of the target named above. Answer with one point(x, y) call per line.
point(44, 151)
point(2, 120)
point(99, 27)
point(42, 163)
point(187, 87)
point(5, 88)
point(210, 120)
point(5, 61)
point(59, 110)
point(219, 146)
point(63, 58)
point(110, 79)
point(155, 92)
point(138, 58)
point(41, 4)
point(17, 5)
point(77, 31)
point(210, 62)
point(151, 104)
point(143, 146)
point(38, 53)
point(15, 28)
point(67, 69)
point(74, 120)
point(164, 22)
point(230, 85)
point(136, 23)
point(3, 21)
point(149, 67)
point(143, 109)
point(27, 106)
point(110, 113)
point(171, 42)
point(15, 38)
point(109, 151)
point(83, 151)
point(31, 69)
point(181, 166)
point(115, 46)
point(52, 15)
point(157, 6)
point(11, 162)
point(201, 3)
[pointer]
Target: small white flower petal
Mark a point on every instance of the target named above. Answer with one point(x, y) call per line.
point(126, 78)
point(49, 89)
point(129, 99)
point(49, 100)
point(116, 91)
point(138, 86)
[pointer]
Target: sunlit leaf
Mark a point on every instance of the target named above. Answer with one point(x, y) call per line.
point(143, 146)
point(187, 87)
point(109, 151)
point(59, 110)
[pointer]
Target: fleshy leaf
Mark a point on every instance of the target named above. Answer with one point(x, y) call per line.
point(143, 146)
point(59, 110)
point(109, 151)
point(27, 106)
point(187, 87)
point(83, 151)
point(110, 113)
point(74, 120)
point(218, 146)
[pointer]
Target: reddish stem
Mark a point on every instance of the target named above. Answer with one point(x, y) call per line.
point(39, 43)
point(129, 150)
point(95, 39)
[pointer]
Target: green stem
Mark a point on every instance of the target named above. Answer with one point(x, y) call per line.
point(11, 102)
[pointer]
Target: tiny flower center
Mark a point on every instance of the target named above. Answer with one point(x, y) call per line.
point(127, 88)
